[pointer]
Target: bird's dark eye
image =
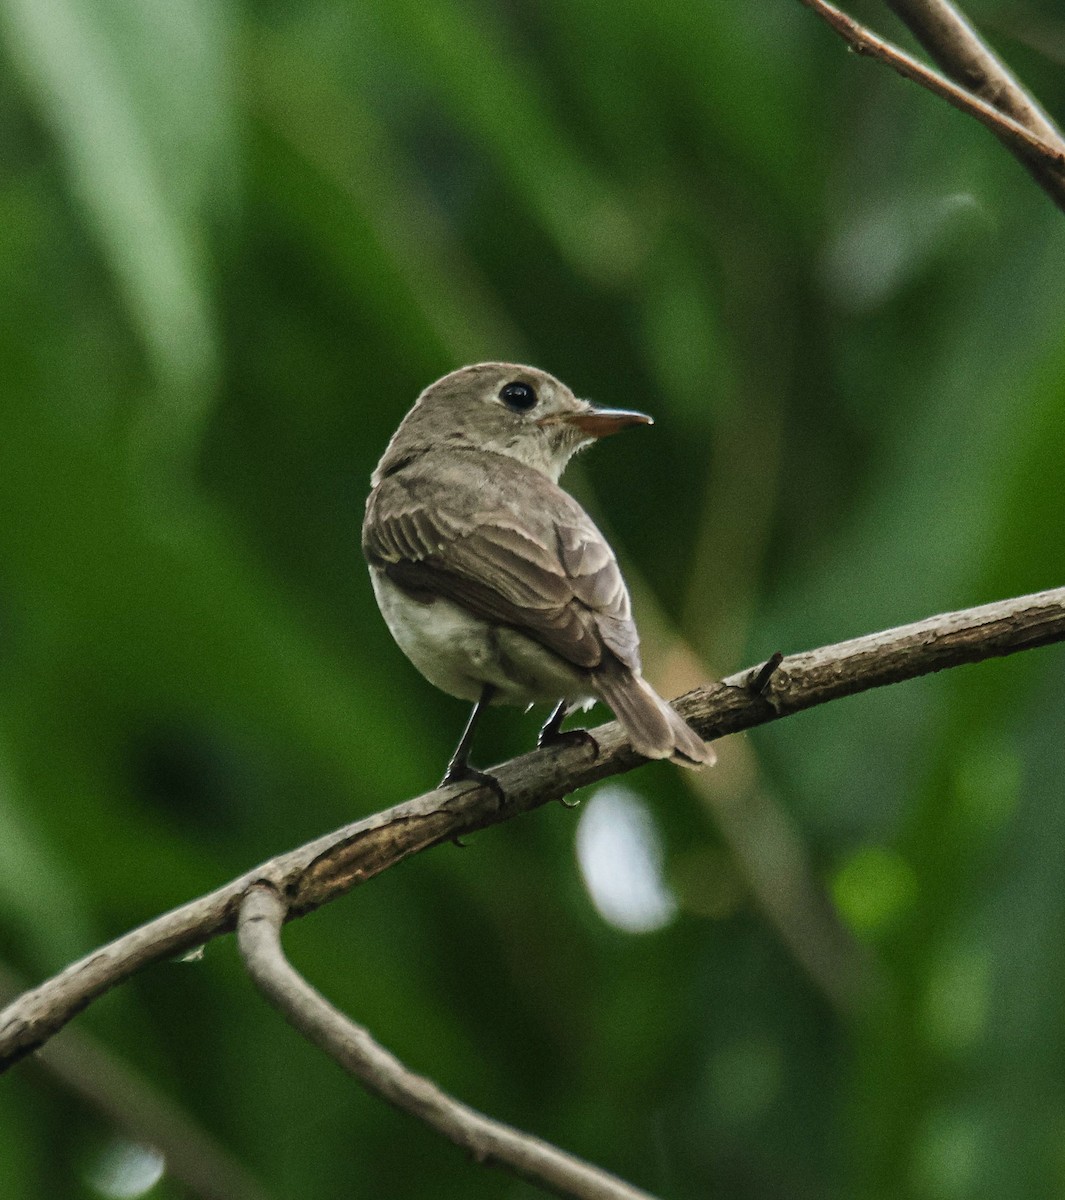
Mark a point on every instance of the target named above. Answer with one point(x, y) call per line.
point(519, 397)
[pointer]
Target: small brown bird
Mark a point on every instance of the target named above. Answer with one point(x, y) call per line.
point(494, 581)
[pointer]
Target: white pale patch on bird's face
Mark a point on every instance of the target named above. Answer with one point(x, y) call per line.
point(537, 448)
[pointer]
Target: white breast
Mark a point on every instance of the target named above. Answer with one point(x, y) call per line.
point(460, 653)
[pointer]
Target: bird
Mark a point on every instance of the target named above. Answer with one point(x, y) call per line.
point(492, 579)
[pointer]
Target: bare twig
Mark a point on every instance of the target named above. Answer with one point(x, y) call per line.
point(947, 35)
point(761, 837)
point(87, 1069)
point(261, 915)
point(767, 846)
point(1043, 156)
point(331, 865)
point(761, 680)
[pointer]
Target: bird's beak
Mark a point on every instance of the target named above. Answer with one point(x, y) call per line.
point(598, 422)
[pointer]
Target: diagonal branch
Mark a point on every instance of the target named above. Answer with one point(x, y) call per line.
point(1037, 145)
point(326, 868)
point(262, 913)
point(955, 45)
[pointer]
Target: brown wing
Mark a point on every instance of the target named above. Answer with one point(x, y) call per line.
point(549, 573)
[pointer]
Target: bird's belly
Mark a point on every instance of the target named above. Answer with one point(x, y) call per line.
point(460, 653)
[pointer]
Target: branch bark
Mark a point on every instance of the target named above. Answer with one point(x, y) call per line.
point(1009, 112)
point(261, 915)
point(326, 868)
point(947, 35)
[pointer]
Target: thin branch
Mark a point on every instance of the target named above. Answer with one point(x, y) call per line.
point(947, 35)
point(762, 838)
point(261, 915)
point(90, 1071)
point(1043, 157)
point(326, 868)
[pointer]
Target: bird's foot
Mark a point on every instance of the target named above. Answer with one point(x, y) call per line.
point(563, 737)
point(567, 737)
point(552, 734)
point(462, 772)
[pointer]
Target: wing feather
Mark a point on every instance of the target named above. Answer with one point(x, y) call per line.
point(549, 573)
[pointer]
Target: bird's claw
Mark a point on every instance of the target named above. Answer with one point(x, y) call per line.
point(464, 773)
point(562, 737)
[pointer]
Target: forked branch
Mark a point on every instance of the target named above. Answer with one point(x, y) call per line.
point(1003, 106)
point(326, 868)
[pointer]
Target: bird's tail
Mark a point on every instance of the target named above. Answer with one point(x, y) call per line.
point(655, 729)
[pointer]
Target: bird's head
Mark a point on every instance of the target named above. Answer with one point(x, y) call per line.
point(505, 408)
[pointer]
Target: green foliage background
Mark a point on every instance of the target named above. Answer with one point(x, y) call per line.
point(235, 242)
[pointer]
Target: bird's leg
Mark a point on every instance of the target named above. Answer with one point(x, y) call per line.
point(459, 766)
point(459, 769)
point(552, 734)
point(552, 728)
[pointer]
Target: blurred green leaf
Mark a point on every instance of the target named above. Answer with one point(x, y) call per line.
point(136, 98)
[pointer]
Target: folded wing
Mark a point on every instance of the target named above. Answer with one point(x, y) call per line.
point(550, 573)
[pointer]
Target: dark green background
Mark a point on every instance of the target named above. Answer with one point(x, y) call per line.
point(235, 242)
